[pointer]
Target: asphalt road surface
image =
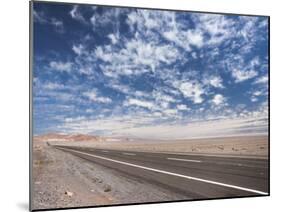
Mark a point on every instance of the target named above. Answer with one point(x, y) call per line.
point(192, 176)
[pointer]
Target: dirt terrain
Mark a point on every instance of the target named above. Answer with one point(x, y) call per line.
point(239, 145)
point(63, 180)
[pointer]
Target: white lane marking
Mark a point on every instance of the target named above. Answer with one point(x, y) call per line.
point(171, 173)
point(126, 153)
point(104, 151)
point(180, 159)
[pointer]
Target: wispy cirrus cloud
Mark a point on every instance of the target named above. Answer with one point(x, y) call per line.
point(53, 86)
point(42, 18)
point(242, 75)
point(139, 103)
point(261, 80)
point(61, 66)
point(182, 107)
point(77, 15)
point(78, 49)
point(93, 96)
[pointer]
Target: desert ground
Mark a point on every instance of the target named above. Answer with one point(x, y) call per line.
point(236, 145)
point(61, 179)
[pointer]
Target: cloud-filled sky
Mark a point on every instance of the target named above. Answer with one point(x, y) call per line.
point(148, 73)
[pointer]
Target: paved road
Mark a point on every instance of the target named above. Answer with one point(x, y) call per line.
point(192, 176)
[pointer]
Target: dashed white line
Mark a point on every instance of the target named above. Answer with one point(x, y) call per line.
point(171, 173)
point(104, 151)
point(126, 153)
point(187, 160)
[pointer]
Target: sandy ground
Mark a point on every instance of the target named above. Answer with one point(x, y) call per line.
point(240, 145)
point(63, 180)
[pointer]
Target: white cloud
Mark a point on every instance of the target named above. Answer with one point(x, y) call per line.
point(59, 27)
point(53, 86)
point(240, 68)
point(194, 55)
point(78, 49)
point(141, 93)
point(41, 18)
point(140, 103)
point(103, 100)
point(141, 126)
point(215, 81)
point(93, 96)
point(195, 37)
point(61, 66)
point(93, 20)
point(192, 90)
point(89, 110)
point(164, 105)
point(120, 87)
point(103, 55)
point(160, 96)
point(254, 62)
point(106, 17)
point(110, 125)
point(165, 22)
point(170, 112)
point(250, 27)
point(177, 37)
point(261, 80)
point(132, 18)
point(145, 20)
point(136, 57)
point(218, 99)
point(210, 30)
point(223, 127)
point(185, 39)
point(254, 99)
point(60, 96)
point(86, 69)
point(114, 38)
point(242, 75)
point(75, 14)
point(151, 54)
point(257, 93)
point(182, 107)
point(219, 27)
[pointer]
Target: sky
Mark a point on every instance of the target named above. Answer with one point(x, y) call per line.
point(148, 73)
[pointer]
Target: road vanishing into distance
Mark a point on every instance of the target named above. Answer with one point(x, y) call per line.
point(193, 176)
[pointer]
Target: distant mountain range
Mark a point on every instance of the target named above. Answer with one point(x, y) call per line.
point(68, 137)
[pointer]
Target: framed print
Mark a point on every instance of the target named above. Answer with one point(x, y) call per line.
point(136, 105)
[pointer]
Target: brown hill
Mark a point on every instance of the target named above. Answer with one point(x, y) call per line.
point(67, 137)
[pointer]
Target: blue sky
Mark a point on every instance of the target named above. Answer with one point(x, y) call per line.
point(148, 73)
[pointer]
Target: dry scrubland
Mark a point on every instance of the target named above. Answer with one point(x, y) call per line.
point(63, 180)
